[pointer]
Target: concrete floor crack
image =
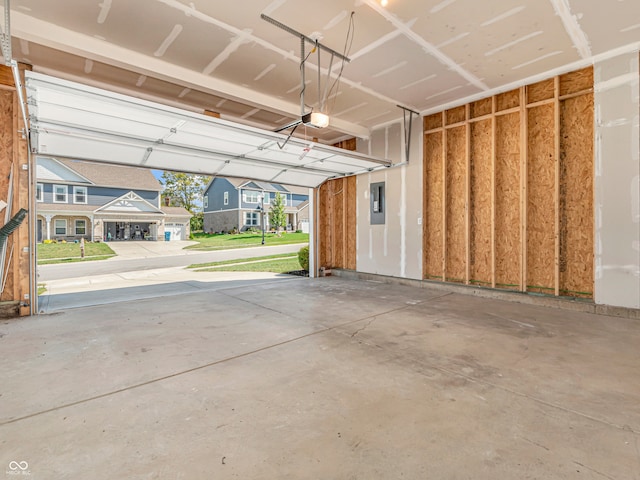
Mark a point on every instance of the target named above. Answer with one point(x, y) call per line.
point(363, 328)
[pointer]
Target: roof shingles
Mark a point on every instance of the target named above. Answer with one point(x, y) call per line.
point(121, 176)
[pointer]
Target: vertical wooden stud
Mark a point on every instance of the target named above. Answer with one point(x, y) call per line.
point(345, 249)
point(493, 192)
point(523, 187)
point(444, 198)
point(556, 197)
point(467, 192)
point(425, 204)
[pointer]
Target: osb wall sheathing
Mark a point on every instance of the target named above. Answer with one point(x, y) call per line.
point(337, 220)
point(512, 186)
point(481, 185)
point(576, 197)
point(455, 205)
point(13, 152)
point(433, 194)
point(507, 202)
point(324, 230)
point(540, 200)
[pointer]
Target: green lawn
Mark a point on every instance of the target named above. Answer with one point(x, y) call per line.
point(243, 240)
point(270, 263)
point(70, 252)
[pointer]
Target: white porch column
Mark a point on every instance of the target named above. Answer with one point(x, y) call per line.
point(48, 219)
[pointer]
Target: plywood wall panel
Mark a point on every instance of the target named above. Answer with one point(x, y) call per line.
point(574, 82)
point(455, 115)
point(480, 203)
point(543, 90)
point(433, 121)
point(508, 189)
point(432, 235)
point(480, 108)
point(455, 204)
point(337, 212)
point(507, 234)
point(507, 100)
point(325, 233)
point(351, 222)
point(541, 200)
point(338, 223)
point(6, 160)
point(576, 196)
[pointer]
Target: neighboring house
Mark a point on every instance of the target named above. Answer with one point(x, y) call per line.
point(100, 202)
point(235, 203)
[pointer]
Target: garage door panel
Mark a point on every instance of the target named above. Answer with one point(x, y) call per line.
point(73, 120)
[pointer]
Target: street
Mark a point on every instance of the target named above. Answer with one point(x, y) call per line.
point(123, 263)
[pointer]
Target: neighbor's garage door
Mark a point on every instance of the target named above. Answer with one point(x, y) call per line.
point(176, 230)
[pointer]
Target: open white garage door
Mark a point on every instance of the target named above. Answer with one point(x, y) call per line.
point(80, 122)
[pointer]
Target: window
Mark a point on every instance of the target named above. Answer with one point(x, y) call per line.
point(226, 198)
point(81, 227)
point(60, 227)
point(39, 192)
point(59, 194)
point(79, 194)
point(250, 196)
point(251, 219)
point(205, 202)
point(267, 198)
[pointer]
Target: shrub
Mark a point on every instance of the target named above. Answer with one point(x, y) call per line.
point(298, 231)
point(303, 258)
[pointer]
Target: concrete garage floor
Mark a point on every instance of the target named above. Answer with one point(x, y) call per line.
point(320, 379)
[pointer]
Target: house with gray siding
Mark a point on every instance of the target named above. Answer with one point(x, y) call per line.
point(237, 203)
point(99, 202)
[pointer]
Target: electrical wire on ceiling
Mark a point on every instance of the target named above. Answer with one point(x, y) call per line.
point(348, 43)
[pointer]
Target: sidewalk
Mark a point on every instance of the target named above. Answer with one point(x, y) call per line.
point(142, 249)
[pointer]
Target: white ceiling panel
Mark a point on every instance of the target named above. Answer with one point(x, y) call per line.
point(76, 121)
point(221, 56)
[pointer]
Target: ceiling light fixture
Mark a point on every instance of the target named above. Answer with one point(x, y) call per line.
point(316, 119)
point(384, 3)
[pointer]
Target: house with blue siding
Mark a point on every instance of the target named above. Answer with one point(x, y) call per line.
point(237, 203)
point(100, 202)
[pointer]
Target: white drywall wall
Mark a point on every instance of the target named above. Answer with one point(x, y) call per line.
point(395, 248)
point(617, 178)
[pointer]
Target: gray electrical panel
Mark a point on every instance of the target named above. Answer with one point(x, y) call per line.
point(377, 206)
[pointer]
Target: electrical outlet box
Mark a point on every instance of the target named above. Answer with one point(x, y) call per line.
point(377, 203)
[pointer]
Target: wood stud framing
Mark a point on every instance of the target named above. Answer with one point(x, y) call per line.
point(14, 156)
point(524, 127)
point(337, 219)
point(541, 222)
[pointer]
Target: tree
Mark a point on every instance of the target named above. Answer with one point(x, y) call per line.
point(277, 217)
point(184, 190)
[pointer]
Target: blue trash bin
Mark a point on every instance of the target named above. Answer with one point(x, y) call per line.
point(167, 236)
